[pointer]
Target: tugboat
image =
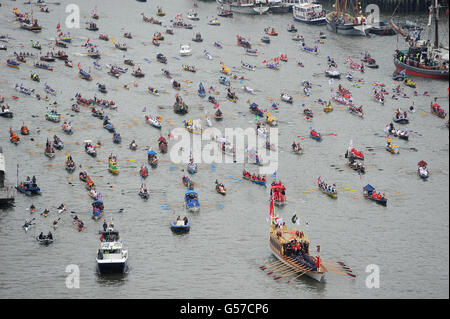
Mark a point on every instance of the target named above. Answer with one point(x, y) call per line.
point(422, 58)
point(111, 257)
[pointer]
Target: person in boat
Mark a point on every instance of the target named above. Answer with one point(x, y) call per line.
point(46, 211)
point(41, 235)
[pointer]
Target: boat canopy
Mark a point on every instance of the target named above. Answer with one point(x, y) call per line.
point(369, 188)
point(151, 152)
point(190, 191)
point(97, 203)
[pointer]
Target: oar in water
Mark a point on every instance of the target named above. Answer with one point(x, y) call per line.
point(277, 262)
point(298, 276)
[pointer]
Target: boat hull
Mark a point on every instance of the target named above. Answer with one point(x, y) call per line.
point(111, 267)
point(349, 29)
point(424, 73)
point(319, 276)
point(311, 22)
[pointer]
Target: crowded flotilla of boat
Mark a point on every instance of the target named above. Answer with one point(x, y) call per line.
point(290, 246)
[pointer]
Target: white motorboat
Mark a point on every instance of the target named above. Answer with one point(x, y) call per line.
point(332, 73)
point(111, 258)
point(308, 12)
point(193, 15)
point(154, 121)
point(247, 7)
point(185, 50)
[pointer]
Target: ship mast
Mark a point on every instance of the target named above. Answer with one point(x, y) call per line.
point(435, 8)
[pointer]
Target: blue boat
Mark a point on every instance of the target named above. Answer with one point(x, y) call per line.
point(201, 90)
point(224, 80)
point(255, 109)
point(191, 199)
point(180, 228)
point(116, 138)
point(29, 188)
point(152, 158)
point(85, 75)
point(97, 209)
point(192, 168)
point(315, 135)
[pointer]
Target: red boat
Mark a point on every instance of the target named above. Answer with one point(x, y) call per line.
point(356, 154)
point(278, 190)
point(143, 171)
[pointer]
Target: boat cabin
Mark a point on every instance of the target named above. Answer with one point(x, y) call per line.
point(110, 235)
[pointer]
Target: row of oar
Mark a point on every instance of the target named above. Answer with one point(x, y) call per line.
point(279, 269)
point(290, 267)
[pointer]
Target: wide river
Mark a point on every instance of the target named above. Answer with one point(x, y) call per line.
point(220, 258)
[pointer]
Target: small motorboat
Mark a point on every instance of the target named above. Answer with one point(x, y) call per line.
point(45, 239)
point(265, 39)
point(133, 145)
point(121, 46)
point(198, 37)
point(143, 192)
point(185, 50)
point(92, 26)
point(102, 88)
point(287, 98)
point(214, 21)
point(138, 73)
point(128, 62)
point(292, 28)
point(161, 58)
point(192, 15)
point(180, 226)
point(315, 135)
point(225, 14)
point(422, 170)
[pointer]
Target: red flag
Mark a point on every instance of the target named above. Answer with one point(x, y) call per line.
point(272, 211)
point(215, 107)
point(58, 27)
point(79, 66)
point(318, 248)
point(88, 40)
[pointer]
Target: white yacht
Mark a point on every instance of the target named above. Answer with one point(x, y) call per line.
point(185, 50)
point(111, 258)
point(309, 12)
point(193, 15)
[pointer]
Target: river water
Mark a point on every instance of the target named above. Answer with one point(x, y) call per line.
point(228, 242)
